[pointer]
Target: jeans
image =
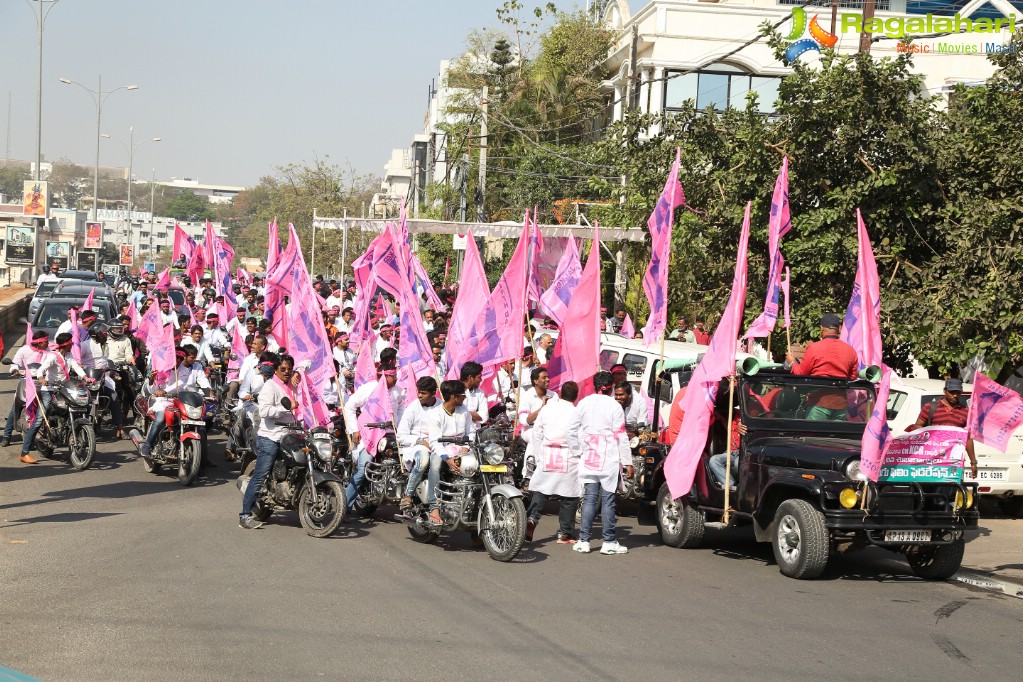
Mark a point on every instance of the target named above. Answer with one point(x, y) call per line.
point(421, 460)
point(9, 428)
point(591, 493)
point(266, 453)
point(358, 476)
point(566, 512)
point(824, 414)
point(26, 445)
point(159, 419)
point(717, 465)
point(116, 413)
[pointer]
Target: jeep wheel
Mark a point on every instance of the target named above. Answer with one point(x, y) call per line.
point(801, 541)
point(680, 525)
point(936, 563)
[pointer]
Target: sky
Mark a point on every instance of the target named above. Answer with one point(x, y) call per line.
point(233, 87)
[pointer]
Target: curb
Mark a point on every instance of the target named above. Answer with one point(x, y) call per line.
point(986, 581)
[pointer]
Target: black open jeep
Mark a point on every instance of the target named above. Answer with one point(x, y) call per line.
point(798, 482)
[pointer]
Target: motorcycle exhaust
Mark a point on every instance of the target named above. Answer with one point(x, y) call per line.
point(136, 437)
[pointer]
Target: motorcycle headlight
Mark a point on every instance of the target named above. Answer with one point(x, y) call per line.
point(193, 412)
point(852, 471)
point(493, 453)
point(323, 450)
point(382, 446)
point(634, 442)
point(469, 465)
point(78, 395)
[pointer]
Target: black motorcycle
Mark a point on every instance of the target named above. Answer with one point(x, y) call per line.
point(300, 479)
point(66, 422)
point(385, 478)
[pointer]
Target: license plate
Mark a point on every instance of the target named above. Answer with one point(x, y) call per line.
point(494, 468)
point(991, 475)
point(907, 536)
point(193, 422)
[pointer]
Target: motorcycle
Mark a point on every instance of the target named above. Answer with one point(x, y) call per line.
point(180, 440)
point(480, 498)
point(300, 479)
point(639, 435)
point(385, 476)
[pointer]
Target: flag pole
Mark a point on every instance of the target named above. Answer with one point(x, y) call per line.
point(728, 448)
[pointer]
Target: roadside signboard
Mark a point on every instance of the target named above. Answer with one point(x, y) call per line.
point(60, 253)
point(87, 260)
point(20, 247)
point(35, 199)
point(127, 254)
point(93, 235)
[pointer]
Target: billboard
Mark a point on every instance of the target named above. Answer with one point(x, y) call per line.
point(35, 200)
point(111, 270)
point(93, 235)
point(87, 260)
point(60, 253)
point(20, 247)
point(127, 254)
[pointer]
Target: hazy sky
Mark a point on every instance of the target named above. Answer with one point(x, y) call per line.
point(234, 87)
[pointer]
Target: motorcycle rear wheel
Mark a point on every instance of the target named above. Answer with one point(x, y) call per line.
point(191, 460)
point(504, 533)
point(82, 452)
point(260, 511)
point(321, 519)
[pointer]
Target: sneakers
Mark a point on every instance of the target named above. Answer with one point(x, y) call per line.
point(249, 522)
point(4, 442)
point(565, 539)
point(583, 547)
point(28, 459)
point(613, 548)
point(145, 450)
point(530, 528)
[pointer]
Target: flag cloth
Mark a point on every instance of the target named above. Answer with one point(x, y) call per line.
point(861, 327)
point(655, 280)
point(473, 294)
point(365, 367)
point(426, 286)
point(995, 412)
point(576, 355)
point(32, 403)
point(133, 314)
point(184, 245)
point(238, 350)
point(785, 293)
point(163, 283)
point(554, 301)
point(877, 434)
point(535, 289)
point(778, 226)
point(76, 337)
point(628, 331)
point(415, 358)
point(312, 410)
point(88, 301)
point(719, 361)
point(378, 408)
point(273, 247)
point(497, 333)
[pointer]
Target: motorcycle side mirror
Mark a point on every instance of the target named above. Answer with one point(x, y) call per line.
point(23, 320)
point(286, 403)
point(7, 361)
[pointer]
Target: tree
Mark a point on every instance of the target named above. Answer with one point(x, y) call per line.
point(187, 205)
point(68, 183)
point(12, 182)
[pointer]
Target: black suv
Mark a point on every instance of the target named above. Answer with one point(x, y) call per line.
point(799, 485)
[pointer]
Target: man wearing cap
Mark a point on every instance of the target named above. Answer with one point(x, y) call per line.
point(30, 354)
point(948, 410)
point(829, 357)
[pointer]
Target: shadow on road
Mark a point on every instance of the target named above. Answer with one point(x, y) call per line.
point(120, 490)
point(68, 517)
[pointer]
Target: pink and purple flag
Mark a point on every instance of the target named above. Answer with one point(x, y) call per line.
point(785, 293)
point(31, 400)
point(76, 337)
point(628, 330)
point(470, 302)
point(995, 412)
point(718, 362)
point(576, 355)
point(184, 245)
point(88, 299)
point(655, 280)
point(365, 367)
point(163, 282)
point(378, 408)
point(427, 287)
point(554, 301)
point(876, 435)
point(312, 410)
point(861, 327)
point(159, 339)
point(778, 226)
point(535, 249)
point(273, 246)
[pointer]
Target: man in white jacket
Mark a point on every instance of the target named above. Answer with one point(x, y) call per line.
point(414, 438)
point(556, 469)
point(597, 435)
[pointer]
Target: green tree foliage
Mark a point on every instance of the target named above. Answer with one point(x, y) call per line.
point(12, 182)
point(187, 205)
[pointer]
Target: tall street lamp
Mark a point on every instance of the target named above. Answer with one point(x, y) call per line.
point(132, 148)
point(98, 98)
point(40, 11)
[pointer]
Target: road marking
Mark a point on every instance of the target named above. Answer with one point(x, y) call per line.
point(987, 582)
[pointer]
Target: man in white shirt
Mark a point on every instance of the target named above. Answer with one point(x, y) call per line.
point(345, 358)
point(275, 408)
point(414, 437)
point(214, 335)
point(633, 405)
point(544, 347)
point(475, 401)
point(57, 366)
point(557, 470)
point(236, 321)
point(51, 275)
point(360, 455)
point(383, 341)
point(450, 420)
point(256, 349)
point(345, 323)
point(504, 387)
point(32, 353)
point(597, 435)
point(188, 374)
point(530, 404)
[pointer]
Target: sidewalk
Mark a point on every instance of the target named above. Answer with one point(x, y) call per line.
point(995, 548)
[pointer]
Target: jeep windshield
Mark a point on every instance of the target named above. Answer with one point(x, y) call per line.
point(812, 401)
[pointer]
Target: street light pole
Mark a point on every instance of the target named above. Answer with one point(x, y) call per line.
point(152, 212)
point(132, 148)
point(40, 15)
point(98, 98)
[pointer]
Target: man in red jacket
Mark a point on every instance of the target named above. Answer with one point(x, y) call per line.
point(829, 357)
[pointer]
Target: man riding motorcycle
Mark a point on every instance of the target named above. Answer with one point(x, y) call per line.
point(187, 374)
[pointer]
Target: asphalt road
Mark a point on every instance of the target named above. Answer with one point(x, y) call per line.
point(115, 574)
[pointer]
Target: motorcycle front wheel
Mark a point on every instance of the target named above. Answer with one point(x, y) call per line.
point(321, 519)
point(83, 449)
point(191, 460)
point(505, 531)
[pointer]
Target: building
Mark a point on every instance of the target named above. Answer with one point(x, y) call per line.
point(671, 51)
point(216, 194)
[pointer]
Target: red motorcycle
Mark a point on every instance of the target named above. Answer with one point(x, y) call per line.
point(182, 438)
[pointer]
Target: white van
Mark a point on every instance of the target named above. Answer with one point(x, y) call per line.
point(998, 475)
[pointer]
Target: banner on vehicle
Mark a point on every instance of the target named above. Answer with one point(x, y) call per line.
point(60, 253)
point(93, 235)
point(87, 260)
point(933, 454)
point(20, 247)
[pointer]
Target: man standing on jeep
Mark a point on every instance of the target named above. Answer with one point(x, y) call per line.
point(948, 410)
point(829, 357)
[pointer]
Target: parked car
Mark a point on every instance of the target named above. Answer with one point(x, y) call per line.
point(42, 293)
point(999, 475)
point(54, 312)
point(799, 486)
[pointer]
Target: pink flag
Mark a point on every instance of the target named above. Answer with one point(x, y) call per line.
point(777, 227)
point(76, 337)
point(876, 434)
point(554, 301)
point(628, 331)
point(995, 412)
point(378, 408)
point(163, 282)
point(183, 244)
point(159, 339)
point(133, 314)
point(427, 287)
point(273, 247)
point(196, 265)
point(312, 409)
point(535, 249)
point(31, 399)
point(243, 277)
point(472, 298)
point(497, 333)
point(88, 299)
point(861, 328)
point(655, 280)
point(238, 348)
point(365, 367)
point(576, 355)
point(415, 358)
point(718, 362)
point(785, 293)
